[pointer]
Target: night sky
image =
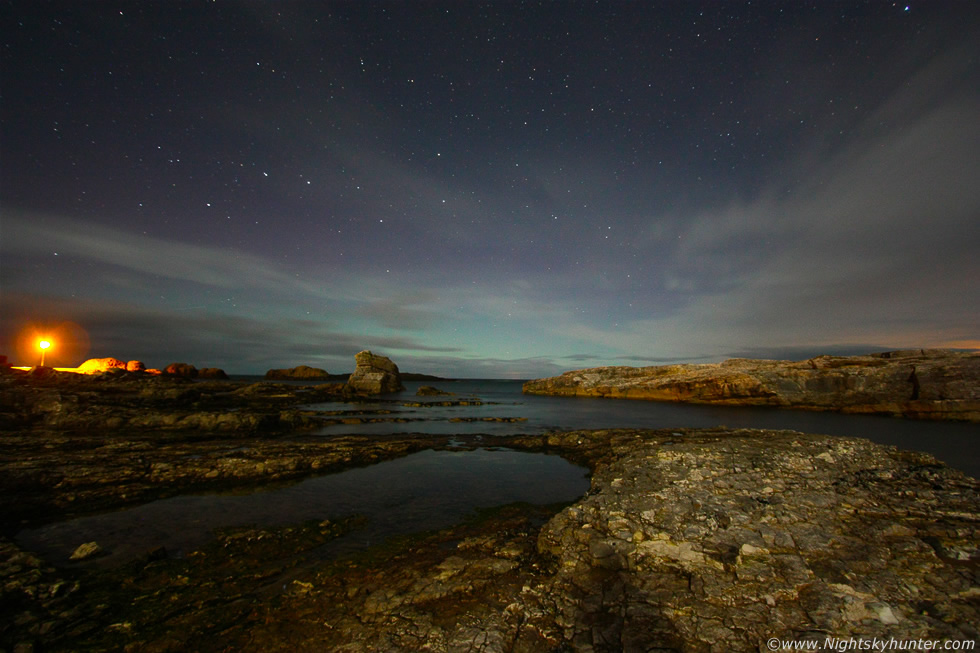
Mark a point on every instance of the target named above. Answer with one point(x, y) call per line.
point(503, 189)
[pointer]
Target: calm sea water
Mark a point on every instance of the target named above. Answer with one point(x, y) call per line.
point(957, 444)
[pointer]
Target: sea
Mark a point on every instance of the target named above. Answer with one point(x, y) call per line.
point(955, 443)
point(430, 490)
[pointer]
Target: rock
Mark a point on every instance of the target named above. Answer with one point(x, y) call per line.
point(99, 365)
point(85, 551)
point(932, 384)
point(181, 369)
point(719, 541)
point(415, 376)
point(430, 391)
point(374, 375)
point(211, 373)
point(300, 372)
point(688, 540)
point(135, 366)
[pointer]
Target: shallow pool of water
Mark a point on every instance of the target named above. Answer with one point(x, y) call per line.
point(420, 492)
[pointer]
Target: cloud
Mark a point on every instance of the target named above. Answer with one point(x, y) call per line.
point(874, 241)
point(404, 311)
point(214, 266)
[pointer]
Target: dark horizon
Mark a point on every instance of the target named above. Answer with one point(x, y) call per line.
point(489, 188)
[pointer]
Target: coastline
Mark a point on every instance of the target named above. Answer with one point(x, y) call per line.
point(686, 539)
point(914, 384)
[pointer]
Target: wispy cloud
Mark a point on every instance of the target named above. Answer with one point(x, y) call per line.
point(412, 311)
point(214, 266)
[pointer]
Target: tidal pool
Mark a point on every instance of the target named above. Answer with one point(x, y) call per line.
point(420, 492)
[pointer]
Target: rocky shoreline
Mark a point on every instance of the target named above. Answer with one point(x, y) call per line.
point(918, 383)
point(688, 540)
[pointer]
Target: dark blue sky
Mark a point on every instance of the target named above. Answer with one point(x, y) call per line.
point(489, 189)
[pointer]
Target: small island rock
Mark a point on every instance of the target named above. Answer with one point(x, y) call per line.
point(211, 373)
point(431, 391)
point(374, 375)
point(300, 372)
point(184, 370)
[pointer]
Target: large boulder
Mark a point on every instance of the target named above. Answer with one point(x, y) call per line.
point(374, 375)
point(99, 365)
point(300, 372)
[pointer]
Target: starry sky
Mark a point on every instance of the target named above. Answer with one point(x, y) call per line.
point(488, 189)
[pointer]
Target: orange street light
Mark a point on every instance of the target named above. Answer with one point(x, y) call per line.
point(44, 345)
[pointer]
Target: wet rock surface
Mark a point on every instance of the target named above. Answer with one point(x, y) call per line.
point(929, 384)
point(76, 443)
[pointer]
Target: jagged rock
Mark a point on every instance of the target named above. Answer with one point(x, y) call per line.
point(300, 372)
point(185, 370)
point(135, 366)
point(99, 365)
point(933, 384)
point(374, 375)
point(211, 373)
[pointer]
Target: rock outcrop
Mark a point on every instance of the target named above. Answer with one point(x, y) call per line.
point(697, 541)
point(212, 373)
point(374, 375)
point(932, 384)
point(184, 370)
point(302, 372)
point(99, 365)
